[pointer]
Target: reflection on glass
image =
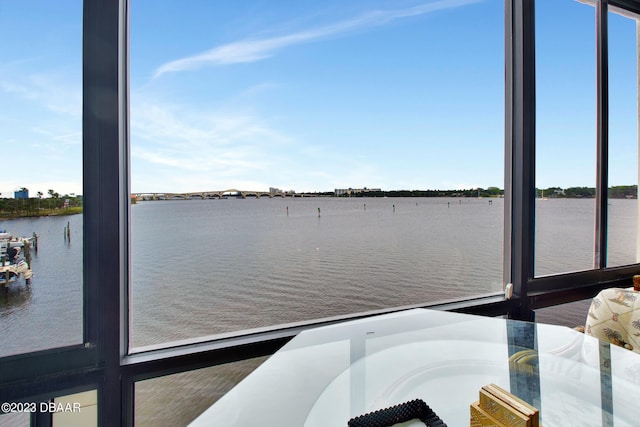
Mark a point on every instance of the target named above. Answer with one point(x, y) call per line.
point(178, 399)
point(16, 419)
point(40, 192)
point(237, 108)
point(565, 136)
point(623, 140)
point(571, 315)
point(82, 409)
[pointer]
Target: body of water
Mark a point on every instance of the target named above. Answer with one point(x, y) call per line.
point(48, 312)
point(204, 267)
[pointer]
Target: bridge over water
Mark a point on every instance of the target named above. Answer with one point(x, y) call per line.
point(216, 194)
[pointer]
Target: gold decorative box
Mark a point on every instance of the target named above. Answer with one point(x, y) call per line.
point(497, 407)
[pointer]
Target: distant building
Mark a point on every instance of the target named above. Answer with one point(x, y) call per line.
point(23, 193)
point(351, 191)
point(276, 191)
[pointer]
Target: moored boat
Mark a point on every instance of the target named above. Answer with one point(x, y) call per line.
point(12, 265)
point(10, 272)
point(9, 241)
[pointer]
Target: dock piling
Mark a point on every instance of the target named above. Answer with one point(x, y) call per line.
point(27, 253)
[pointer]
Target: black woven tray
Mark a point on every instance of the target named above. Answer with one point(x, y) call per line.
point(415, 409)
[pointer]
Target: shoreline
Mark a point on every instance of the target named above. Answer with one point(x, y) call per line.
point(54, 212)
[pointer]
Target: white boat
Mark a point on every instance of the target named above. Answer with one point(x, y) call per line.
point(7, 240)
point(12, 267)
point(10, 272)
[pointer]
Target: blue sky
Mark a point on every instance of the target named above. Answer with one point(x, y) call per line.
point(312, 96)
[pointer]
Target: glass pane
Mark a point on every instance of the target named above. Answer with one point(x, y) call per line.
point(623, 140)
point(178, 399)
point(17, 419)
point(78, 409)
point(41, 136)
point(385, 121)
point(571, 315)
point(565, 136)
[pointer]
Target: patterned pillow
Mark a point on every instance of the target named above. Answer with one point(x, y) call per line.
point(614, 316)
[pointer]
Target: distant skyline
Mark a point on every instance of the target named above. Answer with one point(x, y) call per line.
point(310, 97)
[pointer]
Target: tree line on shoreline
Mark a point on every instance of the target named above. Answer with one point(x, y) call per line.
point(66, 204)
point(615, 192)
point(55, 204)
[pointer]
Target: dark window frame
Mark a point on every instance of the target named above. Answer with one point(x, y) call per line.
point(103, 361)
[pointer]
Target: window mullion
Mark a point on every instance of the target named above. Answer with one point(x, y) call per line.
point(602, 135)
point(520, 194)
point(104, 196)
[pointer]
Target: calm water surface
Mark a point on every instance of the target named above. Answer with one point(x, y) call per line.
point(205, 267)
point(47, 313)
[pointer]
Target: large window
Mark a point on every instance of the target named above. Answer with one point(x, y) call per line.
point(565, 136)
point(623, 139)
point(306, 160)
point(41, 187)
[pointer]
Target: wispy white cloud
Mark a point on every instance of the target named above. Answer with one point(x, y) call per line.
point(213, 150)
point(60, 137)
point(196, 143)
point(42, 120)
point(51, 92)
point(251, 50)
